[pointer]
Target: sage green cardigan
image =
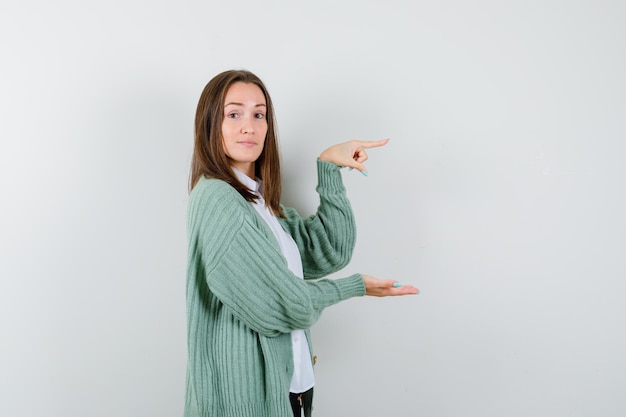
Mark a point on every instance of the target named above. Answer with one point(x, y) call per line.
point(242, 300)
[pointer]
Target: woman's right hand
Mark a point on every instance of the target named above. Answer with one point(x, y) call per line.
point(385, 287)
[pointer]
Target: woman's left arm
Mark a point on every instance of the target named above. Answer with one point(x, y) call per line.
point(326, 239)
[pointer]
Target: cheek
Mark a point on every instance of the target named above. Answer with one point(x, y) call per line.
point(225, 139)
point(228, 134)
point(226, 131)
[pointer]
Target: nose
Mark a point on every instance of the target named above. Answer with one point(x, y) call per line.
point(247, 127)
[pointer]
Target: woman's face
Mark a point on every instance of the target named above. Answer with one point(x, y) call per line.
point(244, 126)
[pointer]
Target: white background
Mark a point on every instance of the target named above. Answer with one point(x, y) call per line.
point(501, 195)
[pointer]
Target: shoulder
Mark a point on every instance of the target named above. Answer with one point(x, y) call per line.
point(215, 197)
point(210, 186)
point(213, 191)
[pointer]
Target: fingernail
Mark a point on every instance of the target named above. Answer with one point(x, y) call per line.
point(364, 173)
point(397, 284)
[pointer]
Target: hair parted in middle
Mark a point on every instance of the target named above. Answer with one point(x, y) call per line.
point(209, 157)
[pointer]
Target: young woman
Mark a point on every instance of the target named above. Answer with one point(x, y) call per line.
point(253, 265)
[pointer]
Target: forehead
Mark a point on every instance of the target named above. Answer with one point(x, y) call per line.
point(244, 93)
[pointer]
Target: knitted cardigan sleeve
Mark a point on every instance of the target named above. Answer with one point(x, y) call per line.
point(326, 239)
point(233, 251)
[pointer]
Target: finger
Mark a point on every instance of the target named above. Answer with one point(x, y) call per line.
point(372, 143)
point(385, 288)
point(351, 163)
point(406, 290)
point(388, 283)
point(360, 156)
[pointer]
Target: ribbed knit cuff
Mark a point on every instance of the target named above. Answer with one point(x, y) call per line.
point(352, 286)
point(329, 176)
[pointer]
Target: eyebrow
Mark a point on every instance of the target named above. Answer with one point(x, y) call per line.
point(241, 104)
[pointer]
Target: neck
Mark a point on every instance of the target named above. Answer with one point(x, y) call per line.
point(245, 167)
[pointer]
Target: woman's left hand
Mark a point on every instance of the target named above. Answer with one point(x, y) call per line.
point(351, 154)
point(377, 287)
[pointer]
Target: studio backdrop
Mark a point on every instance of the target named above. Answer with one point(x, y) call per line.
point(501, 195)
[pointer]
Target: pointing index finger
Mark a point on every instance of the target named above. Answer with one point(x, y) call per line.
point(367, 144)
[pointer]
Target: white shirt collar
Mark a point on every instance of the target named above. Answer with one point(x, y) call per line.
point(253, 185)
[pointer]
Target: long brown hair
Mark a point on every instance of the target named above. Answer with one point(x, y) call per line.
point(209, 158)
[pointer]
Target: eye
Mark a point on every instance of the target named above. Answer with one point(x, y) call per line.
point(259, 116)
point(233, 115)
